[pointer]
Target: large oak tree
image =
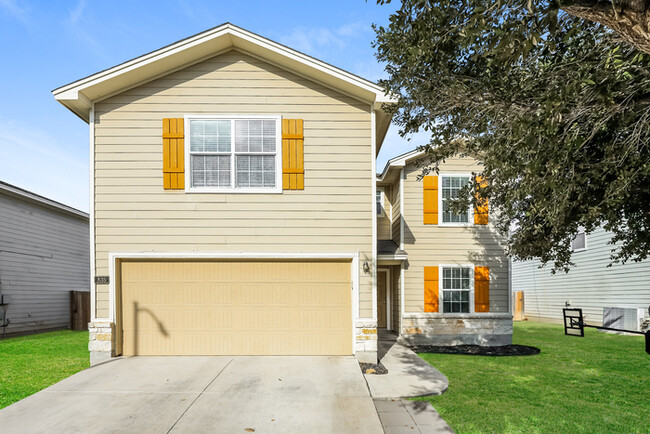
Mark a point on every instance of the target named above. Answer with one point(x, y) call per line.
point(556, 107)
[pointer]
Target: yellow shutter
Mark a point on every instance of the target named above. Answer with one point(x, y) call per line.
point(481, 289)
point(481, 209)
point(173, 154)
point(431, 289)
point(293, 172)
point(430, 186)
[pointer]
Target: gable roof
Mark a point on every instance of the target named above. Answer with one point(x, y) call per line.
point(397, 163)
point(21, 193)
point(79, 95)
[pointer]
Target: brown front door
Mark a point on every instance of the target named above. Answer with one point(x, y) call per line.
point(381, 299)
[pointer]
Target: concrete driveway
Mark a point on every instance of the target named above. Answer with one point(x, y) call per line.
point(202, 394)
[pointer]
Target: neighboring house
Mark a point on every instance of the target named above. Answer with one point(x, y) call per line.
point(590, 285)
point(234, 202)
point(43, 256)
point(446, 275)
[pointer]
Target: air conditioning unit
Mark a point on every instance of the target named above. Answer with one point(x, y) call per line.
point(627, 318)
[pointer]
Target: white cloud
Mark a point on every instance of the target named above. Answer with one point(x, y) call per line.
point(16, 11)
point(76, 13)
point(36, 161)
point(315, 40)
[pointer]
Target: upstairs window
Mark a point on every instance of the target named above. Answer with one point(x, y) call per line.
point(380, 202)
point(579, 242)
point(234, 154)
point(451, 186)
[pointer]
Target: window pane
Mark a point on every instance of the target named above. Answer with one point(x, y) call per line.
point(579, 241)
point(209, 135)
point(451, 186)
point(255, 136)
point(455, 302)
point(210, 171)
point(256, 171)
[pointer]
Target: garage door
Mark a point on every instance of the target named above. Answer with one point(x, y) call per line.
point(236, 308)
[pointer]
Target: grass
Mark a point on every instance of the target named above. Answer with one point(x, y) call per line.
point(32, 363)
point(596, 384)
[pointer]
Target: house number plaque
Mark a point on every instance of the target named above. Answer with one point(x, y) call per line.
point(101, 279)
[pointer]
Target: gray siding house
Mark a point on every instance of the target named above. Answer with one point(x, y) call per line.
point(590, 284)
point(44, 254)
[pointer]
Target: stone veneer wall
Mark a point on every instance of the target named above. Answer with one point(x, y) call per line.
point(365, 340)
point(100, 342)
point(457, 329)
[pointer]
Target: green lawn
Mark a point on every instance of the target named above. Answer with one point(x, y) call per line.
point(596, 384)
point(32, 363)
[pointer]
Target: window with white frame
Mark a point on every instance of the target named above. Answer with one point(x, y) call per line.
point(380, 202)
point(234, 154)
point(579, 241)
point(451, 186)
point(456, 288)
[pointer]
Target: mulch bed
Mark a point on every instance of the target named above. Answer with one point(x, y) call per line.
point(477, 350)
point(371, 368)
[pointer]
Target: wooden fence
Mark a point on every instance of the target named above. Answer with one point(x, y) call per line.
point(79, 310)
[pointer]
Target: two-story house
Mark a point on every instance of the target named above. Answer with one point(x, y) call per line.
point(233, 209)
point(443, 278)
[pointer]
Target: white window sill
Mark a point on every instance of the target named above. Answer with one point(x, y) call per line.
point(235, 190)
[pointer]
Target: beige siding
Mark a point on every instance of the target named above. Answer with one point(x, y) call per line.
point(383, 221)
point(431, 245)
point(397, 211)
point(133, 212)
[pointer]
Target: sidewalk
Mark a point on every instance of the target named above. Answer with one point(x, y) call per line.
point(408, 376)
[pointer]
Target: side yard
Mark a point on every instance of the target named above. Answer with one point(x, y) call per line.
point(598, 383)
point(32, 363)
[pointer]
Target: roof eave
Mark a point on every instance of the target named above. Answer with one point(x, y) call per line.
point(79, 95)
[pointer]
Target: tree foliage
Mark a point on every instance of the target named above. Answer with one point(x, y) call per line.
point(556, 108)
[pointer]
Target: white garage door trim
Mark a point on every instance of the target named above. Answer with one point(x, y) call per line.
point(354, 271)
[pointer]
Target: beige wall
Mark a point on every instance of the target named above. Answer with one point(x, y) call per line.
point(397, 211)
point(431, 245)
point(133, 213)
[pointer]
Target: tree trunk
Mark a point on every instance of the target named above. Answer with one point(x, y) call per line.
point(628, 18)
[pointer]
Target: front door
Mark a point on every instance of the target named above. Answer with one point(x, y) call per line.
point(381, 298)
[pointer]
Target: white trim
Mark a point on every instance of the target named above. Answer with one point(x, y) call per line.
point(399, 161)
point(402, 286)
point(581, 230)
point(510, 286)
point(353, 257)
point(91, 214)
point(233, 189)
point(470, 213)
point(388, 304)
point(402, 179)
point(373, 253)
point(200, 45)
point(471, 286)
point(387, 271)
point(381, 190)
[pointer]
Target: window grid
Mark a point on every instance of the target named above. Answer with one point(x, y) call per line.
point(380, 202)
point(451, 186)
point(456, 287)
point(245, 159)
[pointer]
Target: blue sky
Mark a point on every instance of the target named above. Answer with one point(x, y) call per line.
point(46, 44)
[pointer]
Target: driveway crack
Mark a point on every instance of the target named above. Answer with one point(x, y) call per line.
point(199, 395)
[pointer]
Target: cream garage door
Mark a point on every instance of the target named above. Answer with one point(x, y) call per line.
point(235, 308)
